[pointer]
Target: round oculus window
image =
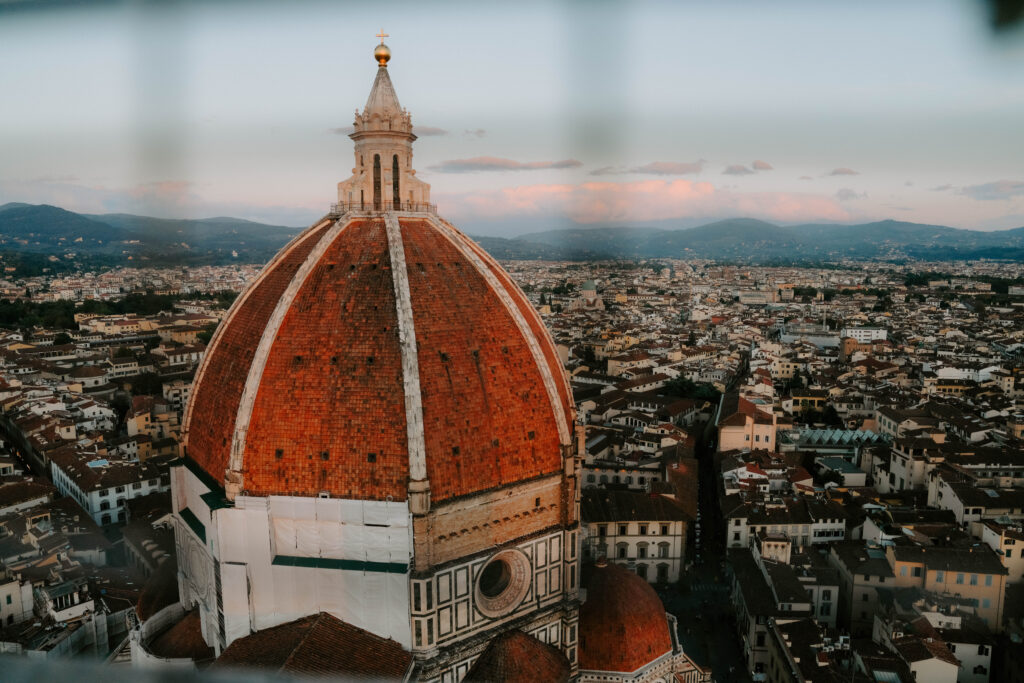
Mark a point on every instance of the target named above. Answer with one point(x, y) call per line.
point(495, 577)
point(502, 583)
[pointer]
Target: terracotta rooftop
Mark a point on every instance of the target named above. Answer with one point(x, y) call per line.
point(516, 657)
point(610, 505)
point(20, 490)
point(184, 640)
point(104, 473)
point(318, 645)
point(622, 624)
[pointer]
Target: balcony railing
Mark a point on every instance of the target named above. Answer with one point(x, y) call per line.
point(342, 208)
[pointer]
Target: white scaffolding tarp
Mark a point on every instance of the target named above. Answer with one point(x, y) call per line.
point(369, 531)
point(365, 548)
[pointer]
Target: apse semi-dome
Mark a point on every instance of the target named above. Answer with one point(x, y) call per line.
point(623, 628)
point(380, 348)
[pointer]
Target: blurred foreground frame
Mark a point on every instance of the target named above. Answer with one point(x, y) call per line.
point(1006, 14)
point(17, 669)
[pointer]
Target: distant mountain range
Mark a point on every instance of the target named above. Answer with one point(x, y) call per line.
point(49, 230)
point(746, 239)
point(64, 236)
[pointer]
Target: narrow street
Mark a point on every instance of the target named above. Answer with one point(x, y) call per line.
point(701, 602)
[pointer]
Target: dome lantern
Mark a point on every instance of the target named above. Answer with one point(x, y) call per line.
point(383, 177)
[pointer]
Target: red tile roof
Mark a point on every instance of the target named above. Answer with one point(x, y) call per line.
point(483, 394)
point(622, 624)
point(331, 392)
point(514, 657)
point(184, 640)
point(221, 378)
point(318, 645)
point(329, 413)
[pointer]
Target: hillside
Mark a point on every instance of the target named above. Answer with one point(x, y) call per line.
point(40, 234)
point(111, 238)
point(752, 240)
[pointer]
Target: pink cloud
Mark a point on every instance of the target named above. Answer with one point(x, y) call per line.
point(649, 200)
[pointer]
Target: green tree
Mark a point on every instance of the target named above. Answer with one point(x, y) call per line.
point(120, 404)
point(686, 388)
point(832, 418)
point(207, 334)
point(62, 338)
point(564, 288)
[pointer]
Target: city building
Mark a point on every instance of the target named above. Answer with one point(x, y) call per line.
point(644, 532)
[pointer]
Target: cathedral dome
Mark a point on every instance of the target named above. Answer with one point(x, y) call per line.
point(378, 348)
point(382, 431)
point(622, 624)
point(381, 352)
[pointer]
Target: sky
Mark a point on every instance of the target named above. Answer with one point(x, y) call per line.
point(530, 116)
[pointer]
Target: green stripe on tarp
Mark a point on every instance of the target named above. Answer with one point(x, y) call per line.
point(215, 500)
point(331, 563)
point(202, 475)
point(193, 523)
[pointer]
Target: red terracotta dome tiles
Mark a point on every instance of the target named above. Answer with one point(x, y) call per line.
point(514, 657)
point(486, 414)
point(538, 329)
point(222, 378)
point(329, 414)
point(622, 624)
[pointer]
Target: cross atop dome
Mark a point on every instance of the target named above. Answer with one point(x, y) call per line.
point(383, 53)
